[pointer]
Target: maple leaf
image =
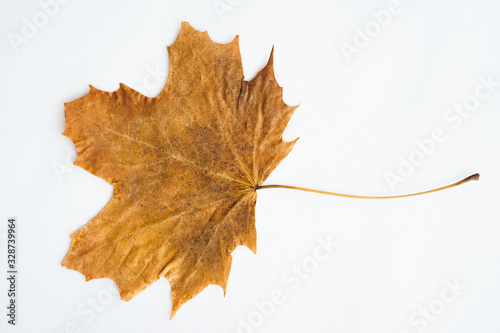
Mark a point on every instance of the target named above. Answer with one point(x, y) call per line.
point(185, 167)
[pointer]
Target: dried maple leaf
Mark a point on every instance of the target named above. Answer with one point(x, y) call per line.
point(185, 167)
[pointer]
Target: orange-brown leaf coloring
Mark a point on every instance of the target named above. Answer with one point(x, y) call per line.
point(185, 166)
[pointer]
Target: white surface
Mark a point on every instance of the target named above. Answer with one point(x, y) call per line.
point(354, 122)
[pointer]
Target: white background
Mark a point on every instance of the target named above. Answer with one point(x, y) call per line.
point(355, 121)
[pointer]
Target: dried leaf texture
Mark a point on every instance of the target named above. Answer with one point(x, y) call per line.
point(184, 165)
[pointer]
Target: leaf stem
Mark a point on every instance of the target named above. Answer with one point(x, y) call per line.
point(463, 181)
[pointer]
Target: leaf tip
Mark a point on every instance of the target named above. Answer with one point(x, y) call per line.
point(270, 62)
point(236, 40)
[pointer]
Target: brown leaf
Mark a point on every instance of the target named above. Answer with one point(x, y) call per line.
point(185, 166)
